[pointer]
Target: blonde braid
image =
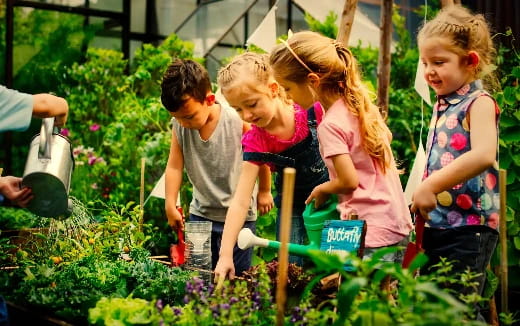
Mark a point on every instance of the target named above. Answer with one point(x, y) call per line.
point(248, 64)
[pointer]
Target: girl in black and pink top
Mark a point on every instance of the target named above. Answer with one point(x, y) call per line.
point(283, 134)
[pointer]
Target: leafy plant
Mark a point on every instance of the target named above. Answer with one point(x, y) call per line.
point(414, 301)
point(508, 100)
point(69, 290)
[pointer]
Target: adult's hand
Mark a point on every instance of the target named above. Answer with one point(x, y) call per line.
point(10, 188)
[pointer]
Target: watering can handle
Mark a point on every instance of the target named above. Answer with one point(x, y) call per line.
point(419, 229)
point(45, 138)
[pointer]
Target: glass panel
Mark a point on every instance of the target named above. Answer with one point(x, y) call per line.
point(138, 16)
point(110, 5)
point(170, 14)
point(211, 22)
point(71, 3)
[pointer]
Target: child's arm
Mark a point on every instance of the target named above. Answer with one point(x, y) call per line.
point(173, 181)
point(265, 200)
point(346, 182)
point(235, 219)
point(483, 138)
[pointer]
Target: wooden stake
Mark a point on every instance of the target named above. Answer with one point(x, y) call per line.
point(347, 19)
point(383, 65)
point(141, 192)
point(502, 182)
point(283, 253)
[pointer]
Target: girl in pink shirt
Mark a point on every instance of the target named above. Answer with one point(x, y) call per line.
point(354, 139)
point(283, 134)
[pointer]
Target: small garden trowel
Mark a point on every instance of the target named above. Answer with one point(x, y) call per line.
point(177, 250)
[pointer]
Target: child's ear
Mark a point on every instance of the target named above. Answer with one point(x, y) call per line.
point(210, 99)
point(274, 88)
point(314, 79)
point(473, 59)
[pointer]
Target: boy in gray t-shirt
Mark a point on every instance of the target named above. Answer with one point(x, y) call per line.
point(206, 142)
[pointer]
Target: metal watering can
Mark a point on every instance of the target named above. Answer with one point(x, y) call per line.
point(48, 171)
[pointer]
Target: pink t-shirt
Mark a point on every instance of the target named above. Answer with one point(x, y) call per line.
point(259, 140)
point(379, 198)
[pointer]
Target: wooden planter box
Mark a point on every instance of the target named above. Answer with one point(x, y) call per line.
point(21, 316)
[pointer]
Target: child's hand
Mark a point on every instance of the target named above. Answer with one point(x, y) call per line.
point(264, 201)
point(319, 197)
point(174, 219)
point(224, 268)
point(423, 201)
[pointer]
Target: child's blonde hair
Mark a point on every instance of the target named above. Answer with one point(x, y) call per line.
point(248, 69)
point(464, 31)
point(309, 52)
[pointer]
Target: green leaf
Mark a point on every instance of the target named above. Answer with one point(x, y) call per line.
point(516, 114)
point(516, 241)
point(509, 134)
point(346, 295)
point(516, 72)
point(432, 289)
point(491, 284)
point(510, 95)
point(505, 160)
point(418, 261)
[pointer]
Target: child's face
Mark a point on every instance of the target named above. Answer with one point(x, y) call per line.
point(299, 93)
point(192, 114)
point(444, 70)
point(252, 105)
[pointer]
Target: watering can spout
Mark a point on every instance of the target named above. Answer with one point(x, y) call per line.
point(247, 239)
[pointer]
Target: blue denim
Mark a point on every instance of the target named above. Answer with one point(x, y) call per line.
point(310, 172)
point(298, 234)
point(4, 318)
point(241, 258)
point(467, 247)
point(395, 257)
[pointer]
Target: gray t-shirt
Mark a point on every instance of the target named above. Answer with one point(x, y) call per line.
point(213, 166)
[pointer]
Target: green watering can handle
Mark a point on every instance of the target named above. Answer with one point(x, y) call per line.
point(327, 211)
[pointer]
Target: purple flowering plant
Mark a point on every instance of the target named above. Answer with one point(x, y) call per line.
point(238, 301)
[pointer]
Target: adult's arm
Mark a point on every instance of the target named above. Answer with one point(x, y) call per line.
point(48, 105)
